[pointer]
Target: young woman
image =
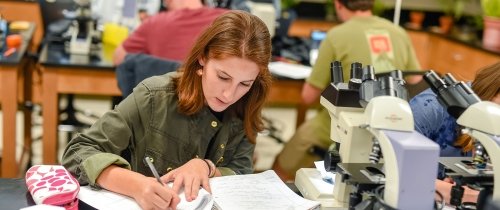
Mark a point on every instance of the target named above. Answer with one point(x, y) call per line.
point(196, 123)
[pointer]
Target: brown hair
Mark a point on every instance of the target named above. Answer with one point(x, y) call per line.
point(487, 82)
point(239, 34)
point(354, 5)
point(486, 85)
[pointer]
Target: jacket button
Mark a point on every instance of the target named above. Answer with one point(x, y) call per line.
point(214, 124)
point(169, 169)
point(151, 159)
point(222, 146)
point(220, 160)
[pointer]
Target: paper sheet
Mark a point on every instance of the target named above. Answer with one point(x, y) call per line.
point(103, 199)
point(325, 175)
point(253, 192)
point(257, 191)
point(294, 71)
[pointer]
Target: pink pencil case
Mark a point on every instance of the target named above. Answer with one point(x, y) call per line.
point(53, 185)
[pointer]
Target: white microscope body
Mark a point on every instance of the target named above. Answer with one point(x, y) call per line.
point(82, 29)
point(482, 122)
point(410, 159)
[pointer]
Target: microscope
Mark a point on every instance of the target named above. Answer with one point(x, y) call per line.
point(371, 119)
point(82, 34)
point(480, 120)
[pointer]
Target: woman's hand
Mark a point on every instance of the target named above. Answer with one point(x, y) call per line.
point(146, 191)
point(153, 195)
point(191, 176)
point(444, 187)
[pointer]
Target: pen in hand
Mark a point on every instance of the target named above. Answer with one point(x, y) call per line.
point(147, 160)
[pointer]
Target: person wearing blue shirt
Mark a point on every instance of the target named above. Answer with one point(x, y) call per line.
point(433, 121)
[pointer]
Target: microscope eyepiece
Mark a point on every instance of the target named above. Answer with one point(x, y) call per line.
point(397, 75)
point(356, 74)
point(356, 70)
point(337, 72)
point(455, 96)
point(434, 81)
point(387, 86)
point(368, 73)
point(340, 93)
point(449, 79)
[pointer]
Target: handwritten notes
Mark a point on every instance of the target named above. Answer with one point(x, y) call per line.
point(253, 192)
point(103, 199)
point(256, 191)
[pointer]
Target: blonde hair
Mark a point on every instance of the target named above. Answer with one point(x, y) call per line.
point(239, 34)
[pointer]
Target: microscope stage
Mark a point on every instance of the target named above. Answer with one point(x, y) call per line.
point(461, 167)
point(362, 173)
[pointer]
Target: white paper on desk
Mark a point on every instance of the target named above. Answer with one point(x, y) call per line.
point(320, 166)
point(256, 191)
point(103, 199)
point(294, 71)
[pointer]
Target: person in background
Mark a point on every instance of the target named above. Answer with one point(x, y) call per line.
point(230, 4)
point(362, 37)
point(169, 34)
point(433, 121)
point(193, 124)
point(143, 15)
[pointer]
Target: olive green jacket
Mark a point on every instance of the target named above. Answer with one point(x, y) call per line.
point(147, 123)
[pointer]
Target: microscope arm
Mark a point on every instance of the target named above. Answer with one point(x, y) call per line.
point(410, 164)
point(410, 159)
point(481, 121)
point(492, 145)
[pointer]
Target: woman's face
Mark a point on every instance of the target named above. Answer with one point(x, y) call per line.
point(225, 81)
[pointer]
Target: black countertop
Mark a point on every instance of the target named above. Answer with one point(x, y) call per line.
point(54, 54)
point(14, 195)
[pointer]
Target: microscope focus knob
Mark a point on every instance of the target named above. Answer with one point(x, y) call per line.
point(331, 159)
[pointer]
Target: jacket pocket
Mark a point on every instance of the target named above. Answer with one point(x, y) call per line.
point(162, 163)
point(167, 152)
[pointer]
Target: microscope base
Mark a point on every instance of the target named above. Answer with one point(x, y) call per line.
point(312, 187)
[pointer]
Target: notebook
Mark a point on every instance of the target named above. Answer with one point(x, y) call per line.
point(264, 191)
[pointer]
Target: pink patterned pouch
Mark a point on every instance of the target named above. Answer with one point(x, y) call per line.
point(52, 185)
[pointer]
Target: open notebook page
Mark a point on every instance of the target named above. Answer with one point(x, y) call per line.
point(262, 191)
point(103, 199)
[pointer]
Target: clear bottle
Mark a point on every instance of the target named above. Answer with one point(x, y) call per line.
point(3, 31)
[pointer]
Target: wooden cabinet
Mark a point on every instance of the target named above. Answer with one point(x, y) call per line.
point(303, 28)
point(420, 41)
point(447, 56)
